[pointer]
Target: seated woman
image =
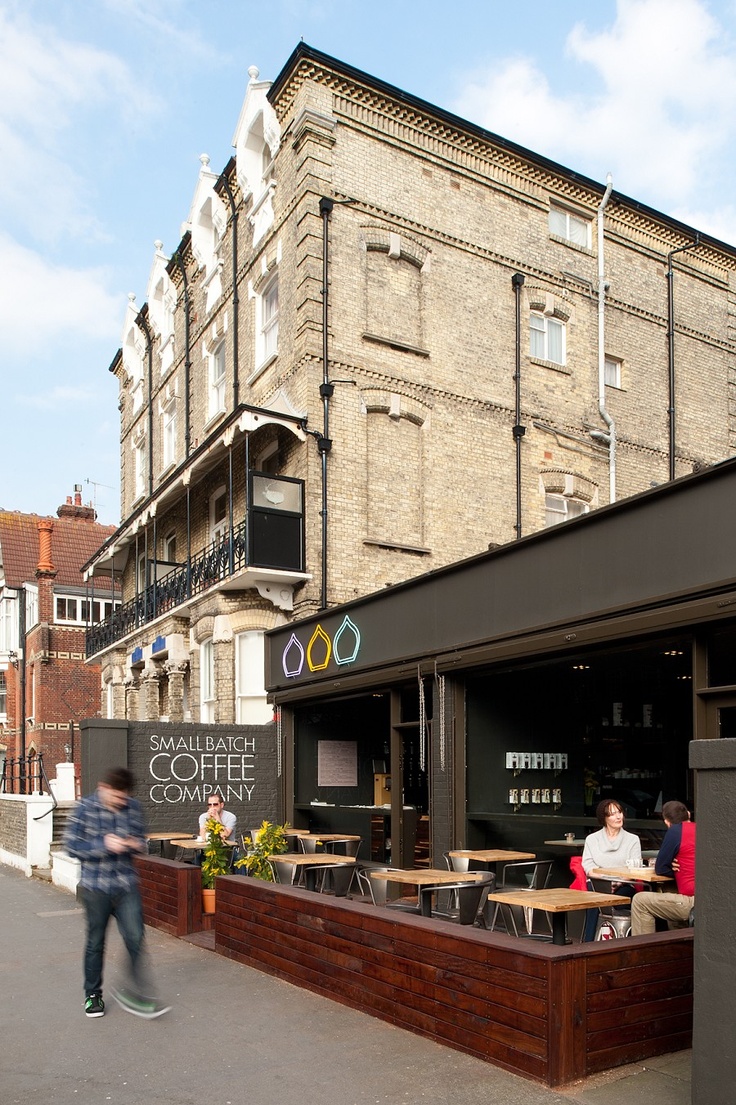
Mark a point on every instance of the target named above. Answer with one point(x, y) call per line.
point(610, 846)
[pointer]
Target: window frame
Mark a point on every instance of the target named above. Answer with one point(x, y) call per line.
point(616, 364)
point(570, 218)
point(544, 331)
point(217, 381)
point(169, 434)
point(251, 704)
point(564, 501)
point(268, 321)
point(207, 696)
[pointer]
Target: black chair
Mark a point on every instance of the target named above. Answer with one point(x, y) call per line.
point(462, 902)
point(284, 871)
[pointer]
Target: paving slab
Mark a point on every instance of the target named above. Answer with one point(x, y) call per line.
point(234, 1035)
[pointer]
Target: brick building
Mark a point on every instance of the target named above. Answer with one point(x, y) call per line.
point(44, 607)
point(387, 340)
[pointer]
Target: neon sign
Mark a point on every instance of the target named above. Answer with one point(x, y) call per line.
point(321, 649)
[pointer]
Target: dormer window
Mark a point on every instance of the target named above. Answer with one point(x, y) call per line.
point(256, 141)
point(208, 219)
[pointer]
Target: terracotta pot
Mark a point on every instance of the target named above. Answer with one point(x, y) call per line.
point(208, 901)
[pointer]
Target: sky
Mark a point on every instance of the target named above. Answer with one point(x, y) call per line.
point(107, 105)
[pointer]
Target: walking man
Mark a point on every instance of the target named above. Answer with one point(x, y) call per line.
point(105, 831)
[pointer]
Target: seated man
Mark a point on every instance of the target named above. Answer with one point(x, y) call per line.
point(675, 858)
point(216, 809)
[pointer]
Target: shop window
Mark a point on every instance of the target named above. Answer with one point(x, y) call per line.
point(251, 707)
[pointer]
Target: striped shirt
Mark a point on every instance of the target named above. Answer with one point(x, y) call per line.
point(89, 822)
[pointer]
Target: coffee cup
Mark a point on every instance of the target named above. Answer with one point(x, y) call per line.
point(569, 837)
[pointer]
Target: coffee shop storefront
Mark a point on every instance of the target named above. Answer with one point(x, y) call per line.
point(494, 702)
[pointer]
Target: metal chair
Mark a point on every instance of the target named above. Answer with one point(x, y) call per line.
point(284, 871)
point(614, 922)
point(310, 845)
point(343, 847)
point(337, 880)
point(527, 875)
point(378, 890)
point(462, 902)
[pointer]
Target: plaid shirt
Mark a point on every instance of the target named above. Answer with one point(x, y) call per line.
point(90, 821)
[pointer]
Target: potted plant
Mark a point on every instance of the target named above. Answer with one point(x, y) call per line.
point(215, 861)
point(269, 840)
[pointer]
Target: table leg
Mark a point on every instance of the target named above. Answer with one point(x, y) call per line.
point(425, 901)
point(559, 928)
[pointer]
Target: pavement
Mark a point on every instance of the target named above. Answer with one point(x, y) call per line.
point(233, 1035)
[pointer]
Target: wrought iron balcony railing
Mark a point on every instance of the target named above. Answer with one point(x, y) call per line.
point(220, 561)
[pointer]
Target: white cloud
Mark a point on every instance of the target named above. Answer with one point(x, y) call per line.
point(43, 303)
point(655, 100)
point(51, 88)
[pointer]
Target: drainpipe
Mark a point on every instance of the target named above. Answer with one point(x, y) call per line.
point(236, 298)
point(142, 322)
point(671, 346)
point(187, 353)
point(326, 389)
point(518, 431)
point(605, 415)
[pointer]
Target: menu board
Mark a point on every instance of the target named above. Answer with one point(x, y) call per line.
point(337, 763)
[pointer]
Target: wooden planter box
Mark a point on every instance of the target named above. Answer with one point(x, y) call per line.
point(553, 1014)
point(172, 896)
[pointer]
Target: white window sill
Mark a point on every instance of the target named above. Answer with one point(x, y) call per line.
point(573, 245)
point(552, 365)
point(214, 419)
point(382, 543)
point(261, 368)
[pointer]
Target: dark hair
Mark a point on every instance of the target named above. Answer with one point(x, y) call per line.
point(675, 812)
point(604, 808)
point(119, 778)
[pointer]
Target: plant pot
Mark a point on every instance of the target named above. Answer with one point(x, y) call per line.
point(208, 901)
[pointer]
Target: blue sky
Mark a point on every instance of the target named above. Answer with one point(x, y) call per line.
point(106, 105)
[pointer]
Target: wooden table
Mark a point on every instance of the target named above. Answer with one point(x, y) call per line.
point(427, 876)
point(631, 874)
point(559, 903)
point(162, 838)
point(312, 860)
point(194, 844)
point(491, 856)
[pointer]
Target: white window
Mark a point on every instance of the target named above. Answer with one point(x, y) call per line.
point(31, 605)
point(251, 707)
point(67, 609)
point(97, 611)
point(216, 402)
point(547, 338)
point(139, 468)
point(612, 372)
point(558, 508)
point(8, 624)
point(169, 420)
point(573, 228)
point(269, 322)
point(169, 550)
point(218, 515)
point(207, 681)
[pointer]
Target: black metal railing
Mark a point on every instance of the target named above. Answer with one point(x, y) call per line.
point(219, 561)
point(26, 775)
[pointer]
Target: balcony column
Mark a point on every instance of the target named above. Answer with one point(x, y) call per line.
point(148, 705)
point(176, 671)
point(132, 688)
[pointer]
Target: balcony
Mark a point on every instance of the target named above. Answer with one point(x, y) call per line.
point(265, 552)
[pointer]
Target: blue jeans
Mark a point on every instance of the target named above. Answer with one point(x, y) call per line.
point(125, 906)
